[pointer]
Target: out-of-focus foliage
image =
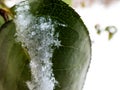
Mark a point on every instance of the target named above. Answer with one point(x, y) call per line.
point(111, 30)
point(68, 2)
point(86, 3)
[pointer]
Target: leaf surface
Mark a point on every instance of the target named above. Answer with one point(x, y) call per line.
point(14, 61)
point(71, 60)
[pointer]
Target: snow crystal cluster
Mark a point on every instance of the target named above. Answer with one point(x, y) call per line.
point(37, 35)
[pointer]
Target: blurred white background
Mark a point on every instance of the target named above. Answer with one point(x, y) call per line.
point(104, 71)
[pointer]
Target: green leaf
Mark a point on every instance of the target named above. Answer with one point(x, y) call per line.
point(68, 1)
point(1, 21)
point(14, 61)
point(72, 58)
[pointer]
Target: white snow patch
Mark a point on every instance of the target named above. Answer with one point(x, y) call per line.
point(104, 73)
point(38, 35)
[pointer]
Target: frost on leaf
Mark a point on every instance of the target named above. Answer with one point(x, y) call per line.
point(38, 36)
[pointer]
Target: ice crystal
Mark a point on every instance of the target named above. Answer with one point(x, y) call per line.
point(37, 34)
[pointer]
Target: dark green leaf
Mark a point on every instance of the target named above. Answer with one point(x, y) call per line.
point(1, 21)
point(70, 60)
point(14, 61)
